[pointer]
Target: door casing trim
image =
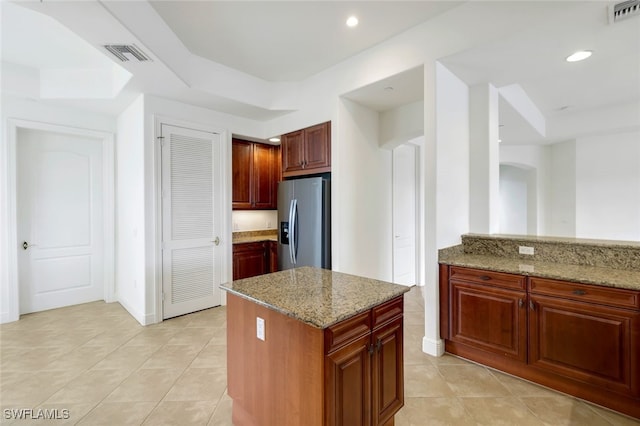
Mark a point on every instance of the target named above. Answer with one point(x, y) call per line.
point(108, 175)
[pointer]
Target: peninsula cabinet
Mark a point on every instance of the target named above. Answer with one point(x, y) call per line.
point(307, 151)
point(581, 339)
point(256, 172)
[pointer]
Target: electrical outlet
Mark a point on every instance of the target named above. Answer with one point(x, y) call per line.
point(526, 250)
point(260, 328)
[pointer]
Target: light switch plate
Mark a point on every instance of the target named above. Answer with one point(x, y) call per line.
point(260, 328)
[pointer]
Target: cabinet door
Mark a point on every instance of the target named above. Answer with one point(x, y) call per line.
point(489, 318)
point(317, 146)
point(591, 343)
point(387, 372)
point(249, 260)
point(242, 169)
point(273, 256)
point(292, 152)
point(348, 384)
point(265, 180)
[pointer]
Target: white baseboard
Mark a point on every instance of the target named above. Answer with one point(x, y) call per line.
point(143, 319)
point(6, 317)
point(433, 347)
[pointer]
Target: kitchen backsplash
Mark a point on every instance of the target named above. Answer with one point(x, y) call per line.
point(575, 251)
point(254, 220)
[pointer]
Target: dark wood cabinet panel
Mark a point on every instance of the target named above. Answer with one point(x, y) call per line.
point(388, 372)
point(307, 151)
point(249, 260)
point(265, 175)
point(252, 259)
point(365, 367)
point(578, 338)
point(242, 166)
point(348, 384)
point(586, 342)
point(256, 172)
point(489, 318)
point(292, 146)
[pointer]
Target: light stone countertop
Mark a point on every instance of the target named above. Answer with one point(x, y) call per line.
point(318, 297)
point(255, 236)
point(609, 277)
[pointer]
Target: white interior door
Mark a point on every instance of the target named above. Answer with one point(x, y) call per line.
point(405, 180)
point(191, 220)
point(59, 220)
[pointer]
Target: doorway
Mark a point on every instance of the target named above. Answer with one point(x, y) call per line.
point(61, 235)
point(406, 214)
point(191, 187)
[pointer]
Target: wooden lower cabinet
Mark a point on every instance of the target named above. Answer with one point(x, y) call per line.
point(350, 374)
point(365, 378)
point(577, 338)
point(252, 259)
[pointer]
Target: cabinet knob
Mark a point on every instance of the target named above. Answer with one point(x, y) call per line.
point(484, 277)
point(379, 345)
point(579, 292)
point(370, 349)
point(532, 305)
point(520, 303)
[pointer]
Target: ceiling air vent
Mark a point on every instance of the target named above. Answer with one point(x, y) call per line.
point(624, 10)
point(126, 51)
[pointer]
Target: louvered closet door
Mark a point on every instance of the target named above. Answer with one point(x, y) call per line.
point(191, 189)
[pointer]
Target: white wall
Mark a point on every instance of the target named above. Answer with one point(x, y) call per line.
point(361, 196)
point(446, 182)
point(401, 124)
point(536, 160)
point(562, 189)
point(485, 159)
point(254, 220)
point(608, 187)
point(130, 218)
point(513, 200)
point(29, 110)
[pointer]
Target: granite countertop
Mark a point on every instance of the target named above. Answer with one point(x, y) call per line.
point(610, 277)
point(254, 236)
point(315, 296)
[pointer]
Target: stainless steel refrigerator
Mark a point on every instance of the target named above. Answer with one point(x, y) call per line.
point(304, 216)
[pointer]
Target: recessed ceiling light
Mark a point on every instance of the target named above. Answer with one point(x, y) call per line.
point(352, 21)
point(276, 139)
point(579, 55)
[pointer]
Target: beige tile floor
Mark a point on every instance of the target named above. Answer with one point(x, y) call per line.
point(98, 363)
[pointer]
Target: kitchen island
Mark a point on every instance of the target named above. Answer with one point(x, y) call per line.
point(315, 347)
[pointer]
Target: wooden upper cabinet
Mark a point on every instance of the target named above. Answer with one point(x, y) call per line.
point(307, 151)
point(242, 166)
point(256, 171)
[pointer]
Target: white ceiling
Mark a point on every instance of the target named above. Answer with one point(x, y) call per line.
point(262, 42)
point(289, 40)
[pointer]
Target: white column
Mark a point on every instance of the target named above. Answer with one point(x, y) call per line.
point(484, 161)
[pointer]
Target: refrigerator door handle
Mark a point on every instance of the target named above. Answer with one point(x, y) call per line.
point(293, 231)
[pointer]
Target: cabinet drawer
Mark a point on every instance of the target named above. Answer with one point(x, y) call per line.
point(480, 276)
point(617, 297)
point(347, 331)
point(388, 311)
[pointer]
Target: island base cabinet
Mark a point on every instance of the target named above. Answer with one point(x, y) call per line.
point(349, 374)
point(348, 380)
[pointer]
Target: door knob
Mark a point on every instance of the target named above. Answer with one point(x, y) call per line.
point(26, 245)
point(216, 241)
